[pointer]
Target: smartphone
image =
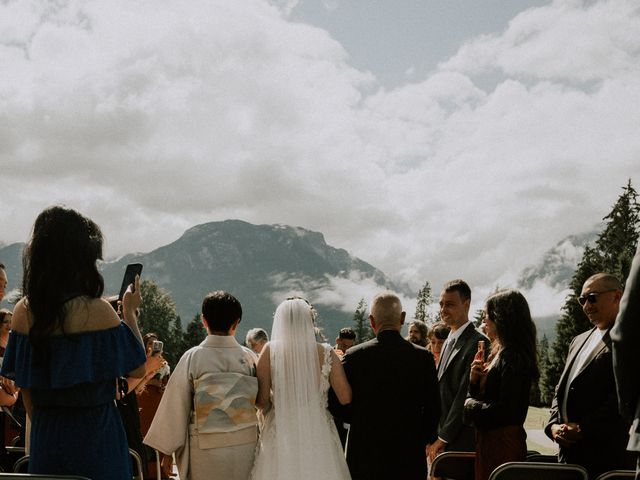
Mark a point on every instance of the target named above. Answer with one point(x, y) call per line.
point(156, 347)
point(481, 345)
point(129, 278)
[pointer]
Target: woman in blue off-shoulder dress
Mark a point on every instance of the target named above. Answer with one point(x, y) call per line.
point(67, 349)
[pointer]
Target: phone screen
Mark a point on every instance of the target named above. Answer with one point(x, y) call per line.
point(130, 273)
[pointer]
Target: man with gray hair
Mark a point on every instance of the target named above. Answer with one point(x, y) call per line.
point(395, 407)
point(256, 339)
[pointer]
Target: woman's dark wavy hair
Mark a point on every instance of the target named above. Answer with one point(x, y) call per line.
point(59, 263)
point(514, 327)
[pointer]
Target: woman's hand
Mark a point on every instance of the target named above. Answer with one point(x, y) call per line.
point(131, 300)
point(478, 372)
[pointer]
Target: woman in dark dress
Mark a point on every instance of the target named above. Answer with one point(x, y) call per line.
point(499, 389)
point(67, 348)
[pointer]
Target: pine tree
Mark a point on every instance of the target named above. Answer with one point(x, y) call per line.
point(194, 334)
point(617, 242)
point(546, 393)
point(362, 328)
point(424, 300)
point(478, 317)
point(613, 251)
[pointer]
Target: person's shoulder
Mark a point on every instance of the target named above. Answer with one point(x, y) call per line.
point(85, 314)
point(361, 348)
point(472, 336)
point(21, 320)
point(249, 353)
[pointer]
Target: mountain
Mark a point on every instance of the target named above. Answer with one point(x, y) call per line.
point(260, 264)
point(551, 276)
point(558, 264)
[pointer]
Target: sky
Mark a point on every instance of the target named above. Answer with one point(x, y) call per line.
point(432, 139)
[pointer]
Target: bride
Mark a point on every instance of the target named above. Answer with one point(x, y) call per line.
point(299, 438)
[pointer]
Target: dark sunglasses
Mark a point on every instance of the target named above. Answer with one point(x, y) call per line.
point(592, 297)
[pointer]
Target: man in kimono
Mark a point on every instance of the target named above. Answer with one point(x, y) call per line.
point(207, 415)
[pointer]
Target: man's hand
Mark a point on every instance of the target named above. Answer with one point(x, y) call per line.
point(435, 449)
point(566, 434)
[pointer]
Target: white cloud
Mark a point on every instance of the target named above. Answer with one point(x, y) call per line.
point(154, 116)
point(569, 40)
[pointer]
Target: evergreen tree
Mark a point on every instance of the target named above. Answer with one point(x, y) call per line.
point(158, 315)
point(194, 334)
point(546, 393)
point(177, 334)
point(424, 300)
point(478, 317)
point(617, 243)
point(613, 251)
point(360, 318)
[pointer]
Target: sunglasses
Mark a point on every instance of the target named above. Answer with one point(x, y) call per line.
point(592, 297)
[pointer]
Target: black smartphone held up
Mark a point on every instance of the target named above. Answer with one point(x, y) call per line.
point(156, 347)
point(130, 273)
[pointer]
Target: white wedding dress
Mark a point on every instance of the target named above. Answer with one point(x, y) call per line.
point(299, 440)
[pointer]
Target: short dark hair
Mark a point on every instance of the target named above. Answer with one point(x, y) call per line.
point(2, 267)
point(148, 337)
point(220, 309)
point(347, 333)
point(459, 286)
point(439, 330)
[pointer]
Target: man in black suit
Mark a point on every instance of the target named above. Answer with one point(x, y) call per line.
point(395, 407)
point(453, 370)
point(584, 417)
point(626, 356)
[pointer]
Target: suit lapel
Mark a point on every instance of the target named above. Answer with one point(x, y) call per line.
point(571, 357)
point(600, 346)
point(460, 342)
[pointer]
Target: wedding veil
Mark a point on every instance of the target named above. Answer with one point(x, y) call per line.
point(300, 417)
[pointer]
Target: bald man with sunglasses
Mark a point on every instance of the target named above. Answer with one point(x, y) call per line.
point(584, 421)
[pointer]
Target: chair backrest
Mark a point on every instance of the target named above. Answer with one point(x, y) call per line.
point(454, 465)
point(18, 476)
point(538, 471)
point(138, 461)
point(21, 465)
point(617, 475)
point(539, 457)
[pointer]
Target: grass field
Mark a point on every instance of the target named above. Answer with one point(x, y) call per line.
point(534, 424)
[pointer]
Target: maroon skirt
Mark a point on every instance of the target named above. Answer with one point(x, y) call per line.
point(498, 446)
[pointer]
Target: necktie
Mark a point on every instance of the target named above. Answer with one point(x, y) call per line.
point(444, 357)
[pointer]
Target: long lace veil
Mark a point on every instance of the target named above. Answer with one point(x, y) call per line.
point(301, 421)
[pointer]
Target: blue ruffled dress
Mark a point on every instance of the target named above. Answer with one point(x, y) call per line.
point(75, 427)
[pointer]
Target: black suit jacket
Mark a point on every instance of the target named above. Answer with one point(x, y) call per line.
point(453, 386)
point(626, 352)
point(592, 403)
point(395, 408)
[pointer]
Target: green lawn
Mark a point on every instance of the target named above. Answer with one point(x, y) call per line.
point(536, 420)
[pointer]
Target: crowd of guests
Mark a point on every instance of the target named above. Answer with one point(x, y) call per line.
point(293, 407)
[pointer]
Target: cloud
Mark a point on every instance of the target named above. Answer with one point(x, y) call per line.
point(569, 40)
point(155, 116)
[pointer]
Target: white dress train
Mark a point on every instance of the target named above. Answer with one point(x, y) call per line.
point(315, 455)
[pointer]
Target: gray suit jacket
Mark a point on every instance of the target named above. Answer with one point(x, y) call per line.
point(626, 353)
point(453, 386)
